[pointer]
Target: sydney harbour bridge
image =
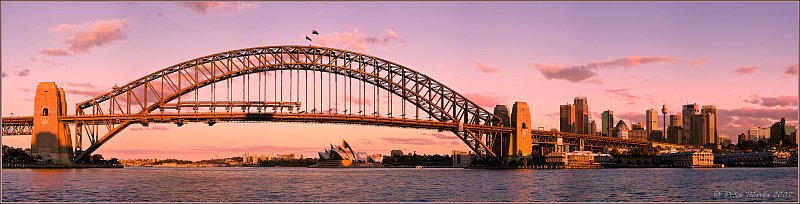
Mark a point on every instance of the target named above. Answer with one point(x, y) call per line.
point(305, 84)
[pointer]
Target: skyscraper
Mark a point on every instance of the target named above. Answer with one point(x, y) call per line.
point(608, 123)
point(567, 119)
point(758, 133)
point(651, 120)
point(621, 130)
point(664, 114)
point(697, 130)
point(675, 121)
point(592, 127)
point(710, 133)
point(687, 113)
point(581, 115)
point(742, 137)
point(782, 134)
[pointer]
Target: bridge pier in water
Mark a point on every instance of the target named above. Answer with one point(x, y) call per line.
point(51, 137)
point(517, 144)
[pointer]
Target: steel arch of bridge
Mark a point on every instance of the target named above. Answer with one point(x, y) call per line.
point(139, 100)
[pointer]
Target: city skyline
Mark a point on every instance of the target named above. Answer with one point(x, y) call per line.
point(616, 68)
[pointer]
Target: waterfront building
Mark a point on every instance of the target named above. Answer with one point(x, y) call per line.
point(341, 156)
point(693, 159)
point(292, 156)
point(581, 115)
point(608, 123)
point(572, 160)
point(754, 159)
point(651, 120)
point(462, 158)
point(603, 159)
point(396, 152)
point(254, 159)
point(567, 118)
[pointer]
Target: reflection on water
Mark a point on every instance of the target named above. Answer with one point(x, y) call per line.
point(303, 184)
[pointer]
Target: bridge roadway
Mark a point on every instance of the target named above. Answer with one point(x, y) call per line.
point(24, 125)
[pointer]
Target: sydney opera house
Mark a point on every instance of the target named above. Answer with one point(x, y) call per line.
point(344, 156)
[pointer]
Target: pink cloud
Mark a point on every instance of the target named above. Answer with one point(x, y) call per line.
point(486, 68)
point(87, 93)
point(569, 73)
point(791, 70)
point(22, 72)
point(735, 121)
point(747, 70)
point(88, 85)
point(782, 101)
point(90, 34)
point(630, 98)
point(206, 6)
point(356, 41)
point(485, 99)
point(54, 52)
point(580, 73)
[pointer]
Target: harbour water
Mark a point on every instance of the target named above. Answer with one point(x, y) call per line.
point(384, 184)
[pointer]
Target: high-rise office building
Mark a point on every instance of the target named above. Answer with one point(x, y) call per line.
point(710, 133)
point(741, 138)
point(581, 115)
point(675, 121)
point(608, 123)
point(687, 113)
point(758, 133)
point(567, 119)
point(675, 135)
point(621, 130)
point(592, 128)
point(697, 130)
point(651, 120)
point(782, 134)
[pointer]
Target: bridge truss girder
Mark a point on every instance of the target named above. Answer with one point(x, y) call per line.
point(138, 99)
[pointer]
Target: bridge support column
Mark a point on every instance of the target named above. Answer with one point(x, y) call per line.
point(580, 148)
point(521, 141)
point(501, 141)
point(51, 138)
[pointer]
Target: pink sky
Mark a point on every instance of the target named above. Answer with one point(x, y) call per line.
point(626, 57)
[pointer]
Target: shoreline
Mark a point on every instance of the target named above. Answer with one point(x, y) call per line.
point(57, 166)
